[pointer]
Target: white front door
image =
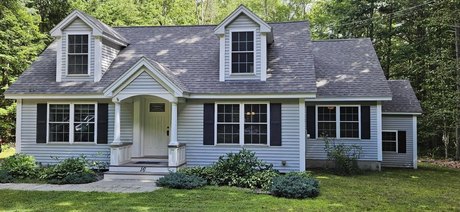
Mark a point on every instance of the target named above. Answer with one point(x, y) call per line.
point(156, 128)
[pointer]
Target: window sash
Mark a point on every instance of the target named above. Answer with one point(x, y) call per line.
point(388, 141)
point(74, 67)
point(324, 119)
point(227, 118)
point(253, 123)
point(245, 65)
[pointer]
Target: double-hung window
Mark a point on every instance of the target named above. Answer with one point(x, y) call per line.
point(71, 123)
point(242, 124)
point(77, 58)
point(390, 141)
point(338, 121)
point(243, 52)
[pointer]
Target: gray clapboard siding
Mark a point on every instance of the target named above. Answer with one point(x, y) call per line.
point(190, 131)
point(79, 26)
point(143, 84)
point(109, 53)
point(400, 123)
point(243, 22)
point(126, 121)
point(44, 152)
point(315, 147)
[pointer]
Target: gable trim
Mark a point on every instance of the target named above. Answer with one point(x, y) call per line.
point(135, 71)
point(264, 27)
point(57, 30)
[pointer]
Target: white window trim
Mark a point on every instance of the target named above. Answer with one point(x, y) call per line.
point(241, 123)
point(67, 53)
point(397, 142)
point(231, 52)
point(71, 121)
point(337, 120)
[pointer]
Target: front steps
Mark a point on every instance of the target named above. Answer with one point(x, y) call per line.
point(145, 169)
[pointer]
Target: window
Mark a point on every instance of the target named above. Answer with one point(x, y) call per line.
point(228, 124)
point(242, 52)
point(242, 124)
point(349, 122)
point(389, 141)
point(327, 121)
point(77, 62)
point(255, 124)
point(338, 121)
point(72, 123)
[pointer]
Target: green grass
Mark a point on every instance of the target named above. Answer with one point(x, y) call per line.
point(429, 188)
point(7, 152)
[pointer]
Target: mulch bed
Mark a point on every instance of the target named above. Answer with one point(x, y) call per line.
point(445, 163)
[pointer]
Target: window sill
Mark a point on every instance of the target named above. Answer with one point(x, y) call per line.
point(78, 75)
point(244, 145)
point(75, 143)
point(242, 74)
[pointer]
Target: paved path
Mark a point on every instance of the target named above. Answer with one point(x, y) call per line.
point(117, 186)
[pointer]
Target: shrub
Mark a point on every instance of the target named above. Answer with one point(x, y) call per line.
point(207, 173)
point(263, 179)
point(294, 186)
point(237, 169)
point(344, 156)
point(5, 177)
point(71, 170)
point(181, 181)
point(20, 166)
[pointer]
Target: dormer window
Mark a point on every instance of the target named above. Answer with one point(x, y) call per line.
point(243, 52)
point(77, 54)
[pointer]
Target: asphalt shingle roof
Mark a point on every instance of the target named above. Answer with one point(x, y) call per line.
point(348, 68)
point(190, 54)
point(404, 99)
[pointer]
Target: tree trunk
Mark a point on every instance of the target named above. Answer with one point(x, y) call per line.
point(457, 128)
point(445, 140)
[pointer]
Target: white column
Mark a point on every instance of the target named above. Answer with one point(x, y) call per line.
point(18, 125)
point(302, 134)
point(379, 131)
point(173, 129)
point(116, 129)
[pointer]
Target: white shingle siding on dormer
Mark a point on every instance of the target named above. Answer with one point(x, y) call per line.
point(109, 53)
point(77, 26)
point(243, 22)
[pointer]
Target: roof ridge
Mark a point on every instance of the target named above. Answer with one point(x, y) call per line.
point(200, 25)
point(340, 39)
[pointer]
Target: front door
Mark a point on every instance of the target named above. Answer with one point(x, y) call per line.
point(156, 128)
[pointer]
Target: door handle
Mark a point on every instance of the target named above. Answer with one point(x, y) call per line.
point(167, 132)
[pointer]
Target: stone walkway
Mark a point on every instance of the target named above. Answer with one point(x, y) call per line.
point(117, 186)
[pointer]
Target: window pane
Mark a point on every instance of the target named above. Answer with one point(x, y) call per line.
point(78, 44)
point(326, 113)
point(59, 117)
point(349, 130)
point(349, 113)
point(389, 146)
point(227, 130)
point(255, 133)
point(242, 52)
point(389, 136)
point(84, 122)
point(77, 64)
point(327, 129)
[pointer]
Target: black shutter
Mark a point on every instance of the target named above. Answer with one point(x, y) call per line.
point(365, 122)
point(102, 123)
point(42, 111)
point(208, 121)
point(275, 124)
point(311, 125)
point(401, 141)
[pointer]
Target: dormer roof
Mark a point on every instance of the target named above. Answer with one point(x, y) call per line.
point(264, 27)
point(99, 28)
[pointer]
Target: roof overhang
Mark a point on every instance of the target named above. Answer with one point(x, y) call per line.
point(349, 99)
point(264, 27)
point(54, 96)
point(251, 96)
point(402, 113)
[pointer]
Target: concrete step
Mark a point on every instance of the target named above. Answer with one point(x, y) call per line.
point(149, 159)
point(146, 177)
point(141, 169)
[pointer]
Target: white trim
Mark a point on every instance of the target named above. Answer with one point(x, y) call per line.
point(246, 29)
point(251, 96)
point(157, 75)
point(67, 52)
point(97, 58)
point(117, 123)
point(222, 58)
point(241, 122)
point(263, 57)
point(338, 120)
point(414, 138)
point(397, 142)
point(59, 59)
point(55, 96)
point(57, 30)
point(348, 99)
point(379, 132)
point(18, 125)
point(137, 149)
point(173, 128)
point(220, 29)
point(400, 113)
point(302, 135)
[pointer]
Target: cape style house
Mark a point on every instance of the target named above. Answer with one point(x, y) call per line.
point(152, 99)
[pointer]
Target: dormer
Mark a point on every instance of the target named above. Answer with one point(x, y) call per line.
point(243, 46)
point(85, 47)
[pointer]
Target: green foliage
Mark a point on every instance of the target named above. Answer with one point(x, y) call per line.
point(71, 170)
point(5, 177)
point(205, 172)
point(344, 156)
point(295, 186)
point(181, 181)
point(20, 166)
point(262, 179)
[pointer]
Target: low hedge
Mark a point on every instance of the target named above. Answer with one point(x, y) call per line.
point(295, 185)
point(181, 181)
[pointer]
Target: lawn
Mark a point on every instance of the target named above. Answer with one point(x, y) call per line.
point(429, 188)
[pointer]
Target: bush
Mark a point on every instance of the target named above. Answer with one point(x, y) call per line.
point(207, 173)
point(181, 181)
point(71, 170)
point(263, 179)
point(237, 169)
point(20, 166)
point(344, 156)
point(294, 186)
point(5, 177)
